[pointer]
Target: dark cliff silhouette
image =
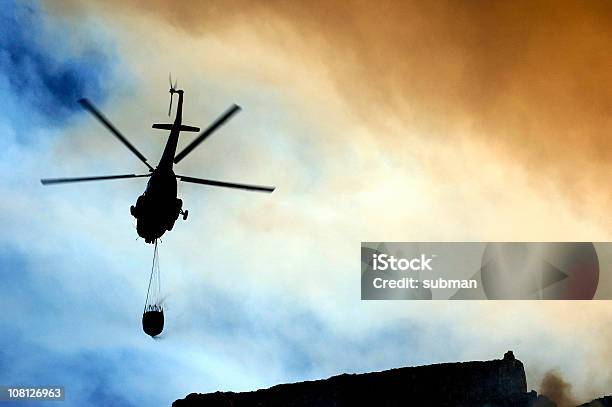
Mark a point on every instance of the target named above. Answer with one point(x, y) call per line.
point(602, 402)
point(495, 383)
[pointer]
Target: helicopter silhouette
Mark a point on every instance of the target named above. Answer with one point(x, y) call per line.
point(158, 208)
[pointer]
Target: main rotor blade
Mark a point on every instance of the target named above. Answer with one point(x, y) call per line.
point(202, 136)
point(225, 184)
point(98, 115)
point(48, 181)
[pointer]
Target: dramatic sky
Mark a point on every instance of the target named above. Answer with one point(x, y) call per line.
point(386, 121)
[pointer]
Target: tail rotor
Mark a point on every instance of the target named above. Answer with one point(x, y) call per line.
point(172, 91)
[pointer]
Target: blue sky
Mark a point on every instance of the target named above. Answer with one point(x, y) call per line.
point(259, 289)
point(40, 74)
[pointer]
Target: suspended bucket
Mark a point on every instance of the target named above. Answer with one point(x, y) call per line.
point(153, 321)
point(153, 314)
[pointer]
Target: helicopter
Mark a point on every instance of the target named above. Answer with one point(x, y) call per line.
point(158, 208)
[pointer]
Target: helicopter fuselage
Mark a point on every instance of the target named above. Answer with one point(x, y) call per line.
point(158, 207)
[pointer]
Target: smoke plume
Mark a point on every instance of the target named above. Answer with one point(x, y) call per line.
point(558, 390)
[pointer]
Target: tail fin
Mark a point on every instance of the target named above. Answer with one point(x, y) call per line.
point(168, 126)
